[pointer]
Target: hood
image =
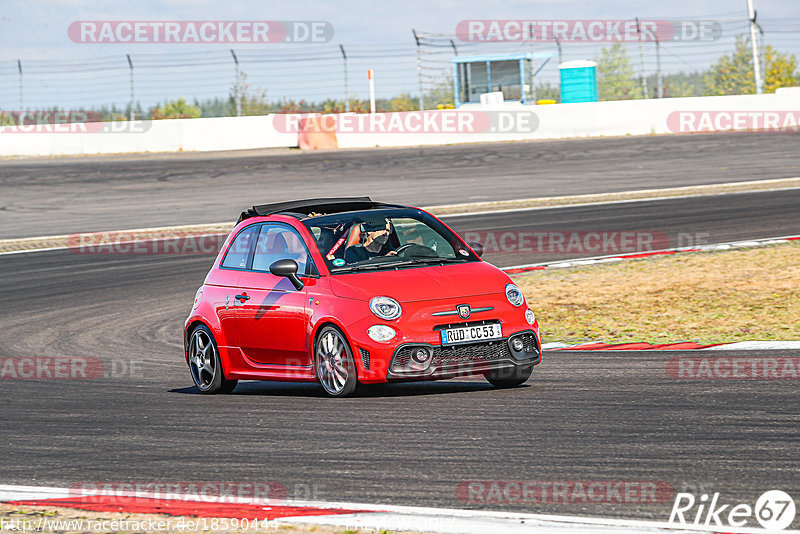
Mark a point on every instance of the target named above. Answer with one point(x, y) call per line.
point(422, 283)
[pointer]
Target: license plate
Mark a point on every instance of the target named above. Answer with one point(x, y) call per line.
point(471, 334)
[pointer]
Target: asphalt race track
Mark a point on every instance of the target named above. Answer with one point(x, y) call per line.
point(670, 223)
point(607, 416)
point(582, 417)
point(83, 194)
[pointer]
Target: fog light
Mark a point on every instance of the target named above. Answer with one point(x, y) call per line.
point(381, 333)
point(421, 355)
point(517, 345)
point(529, 316)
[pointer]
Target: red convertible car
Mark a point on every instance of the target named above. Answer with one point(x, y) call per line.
point(346, 291)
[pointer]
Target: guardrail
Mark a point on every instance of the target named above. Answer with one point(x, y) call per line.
point(174, 135)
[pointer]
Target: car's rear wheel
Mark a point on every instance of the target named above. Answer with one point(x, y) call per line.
point(509, 377)
point(205, 365)
point(336, 369)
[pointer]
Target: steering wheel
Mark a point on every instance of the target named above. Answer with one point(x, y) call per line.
point(419, 250)
point(403, 248)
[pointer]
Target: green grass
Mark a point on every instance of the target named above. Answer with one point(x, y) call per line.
point(717, 297)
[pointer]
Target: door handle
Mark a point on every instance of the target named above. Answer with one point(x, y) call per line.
point(243, 297)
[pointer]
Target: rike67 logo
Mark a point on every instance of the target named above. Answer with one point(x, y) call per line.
point(774, 510)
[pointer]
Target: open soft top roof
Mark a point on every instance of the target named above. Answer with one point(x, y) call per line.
point(302, 208)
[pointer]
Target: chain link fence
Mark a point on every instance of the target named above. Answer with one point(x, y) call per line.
point(332, 77)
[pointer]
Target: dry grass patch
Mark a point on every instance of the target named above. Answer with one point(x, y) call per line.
point(717, 297)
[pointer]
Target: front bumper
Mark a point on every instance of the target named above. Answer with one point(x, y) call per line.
point(466, 359)
point(421, 325)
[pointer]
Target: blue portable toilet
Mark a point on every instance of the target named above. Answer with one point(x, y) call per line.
point(578, 81)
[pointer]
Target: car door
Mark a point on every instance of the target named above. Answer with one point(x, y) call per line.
point(271, 315)
point(222, 284)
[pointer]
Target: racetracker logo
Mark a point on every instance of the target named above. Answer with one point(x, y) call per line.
point(133, 242)
point(731, 368)
point(48, 122)
point(200, 31)
point(412, 122)
point(568, 241)
point(731, 121)
point(266, 493)
point(55, 368)
point(588, 31)
point(568, 492)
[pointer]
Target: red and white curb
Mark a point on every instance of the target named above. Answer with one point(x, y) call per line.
point(357, 516)
point(684, 345)
point(579, 262)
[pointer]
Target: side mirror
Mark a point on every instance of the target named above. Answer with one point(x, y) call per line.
point(287, 268)
point(477, 247)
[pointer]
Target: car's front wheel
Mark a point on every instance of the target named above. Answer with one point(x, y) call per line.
point(336, 369)
point(509, 377)
point(205, 365)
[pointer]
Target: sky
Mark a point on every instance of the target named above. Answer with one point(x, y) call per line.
point(377, 33)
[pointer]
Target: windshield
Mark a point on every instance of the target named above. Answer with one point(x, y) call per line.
point(385, 239)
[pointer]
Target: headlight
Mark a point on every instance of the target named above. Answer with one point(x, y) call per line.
point(381, 332)
point(514, 295)
point(529, 316)
point(386, 308)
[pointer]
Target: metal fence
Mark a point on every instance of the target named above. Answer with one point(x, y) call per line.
point(316, 73)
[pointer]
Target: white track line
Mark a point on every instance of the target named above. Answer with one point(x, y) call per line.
point(24, 493)
point(711, 247)
point(739, 345)
point(444, 522)
point(758, 345)
point(607, 202)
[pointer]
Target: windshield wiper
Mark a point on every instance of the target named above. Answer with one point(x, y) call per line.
point(369, 266)
point(354, 268)
point(395, 264)
point(439, 260)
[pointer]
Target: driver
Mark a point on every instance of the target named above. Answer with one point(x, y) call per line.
point(367, 242)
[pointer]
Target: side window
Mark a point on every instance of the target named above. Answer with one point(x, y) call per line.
point(278, 242)
point(236, 256)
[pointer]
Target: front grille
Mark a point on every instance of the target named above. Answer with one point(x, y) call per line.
point(402, 357)
point(465, 354)
point(529, 342)
point(364, 358)
point(475, 352)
